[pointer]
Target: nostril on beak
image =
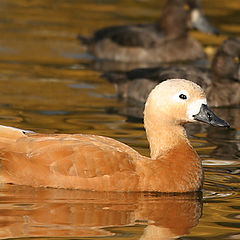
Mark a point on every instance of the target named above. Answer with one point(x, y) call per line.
point(209, 117)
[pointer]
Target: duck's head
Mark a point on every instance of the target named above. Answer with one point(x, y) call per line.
point(179, 101)
point(180, 15)
point(226, 63)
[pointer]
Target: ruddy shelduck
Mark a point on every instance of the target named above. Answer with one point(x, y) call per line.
point(90, 162)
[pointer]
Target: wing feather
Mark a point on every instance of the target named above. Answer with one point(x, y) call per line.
point(42, 160)
point(139, 35)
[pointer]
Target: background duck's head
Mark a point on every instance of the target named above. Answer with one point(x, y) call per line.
point(181, 15)
point(226, 63)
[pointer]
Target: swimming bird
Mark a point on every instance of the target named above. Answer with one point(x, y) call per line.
point(221, 82)
point(100, 163)
point(165, 41)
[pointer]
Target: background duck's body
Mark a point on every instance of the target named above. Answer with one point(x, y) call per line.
point(221, 82)
point(166, 41)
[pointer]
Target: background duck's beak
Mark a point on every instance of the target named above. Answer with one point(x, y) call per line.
point(206, 115)
point(200, 22)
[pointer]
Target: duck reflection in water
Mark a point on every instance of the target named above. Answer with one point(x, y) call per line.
point(63, 213)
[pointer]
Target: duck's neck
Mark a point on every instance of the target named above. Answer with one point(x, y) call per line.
point(163, 136)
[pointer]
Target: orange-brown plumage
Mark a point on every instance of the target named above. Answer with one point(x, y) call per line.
point(99, 163)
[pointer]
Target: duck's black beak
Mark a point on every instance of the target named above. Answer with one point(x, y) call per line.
point(200, 22)
point(206, 115)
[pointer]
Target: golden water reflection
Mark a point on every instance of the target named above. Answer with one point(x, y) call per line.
point(29, 212)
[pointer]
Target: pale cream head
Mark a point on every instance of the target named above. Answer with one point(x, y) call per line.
point(174, 101)
point(171, 104)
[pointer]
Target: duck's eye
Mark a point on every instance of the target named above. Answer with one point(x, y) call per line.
point(236, 60)
point(183, 96)
point(186, 7)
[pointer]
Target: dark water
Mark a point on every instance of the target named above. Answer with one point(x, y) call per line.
point(47, 85)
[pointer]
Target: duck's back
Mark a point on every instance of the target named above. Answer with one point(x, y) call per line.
point(68, 161)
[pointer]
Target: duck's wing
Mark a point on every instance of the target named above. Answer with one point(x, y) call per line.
point(159, 74)
point(139, 35)
point(68, 161)
point(153, 74)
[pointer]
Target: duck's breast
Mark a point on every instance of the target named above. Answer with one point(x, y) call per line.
point(178, 170)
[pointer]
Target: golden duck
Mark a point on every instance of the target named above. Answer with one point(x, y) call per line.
point(90, 162)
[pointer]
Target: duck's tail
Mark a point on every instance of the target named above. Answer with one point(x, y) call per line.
point(10, 154)
point(115, 77)
point(84, 40)
point(11, 134)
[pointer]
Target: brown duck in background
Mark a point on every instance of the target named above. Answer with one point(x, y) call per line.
point(165, 41)
point(221, 83)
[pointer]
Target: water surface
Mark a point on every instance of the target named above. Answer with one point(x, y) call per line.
point(47, 85)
